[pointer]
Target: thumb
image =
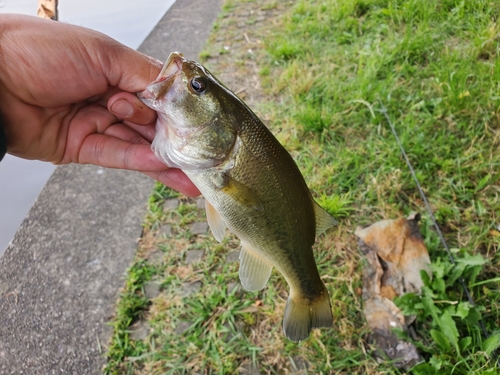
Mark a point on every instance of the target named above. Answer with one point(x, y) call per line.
point(128, 69)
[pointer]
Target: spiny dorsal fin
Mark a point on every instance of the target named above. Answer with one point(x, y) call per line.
point(323, 219)
point(254, 269)
point(217, 225)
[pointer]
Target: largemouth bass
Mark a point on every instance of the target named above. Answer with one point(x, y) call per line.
point(251, 185)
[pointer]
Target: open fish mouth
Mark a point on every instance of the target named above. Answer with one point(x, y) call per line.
point(159, 87)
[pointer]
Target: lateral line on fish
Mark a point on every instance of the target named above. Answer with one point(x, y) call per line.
point(383, 110)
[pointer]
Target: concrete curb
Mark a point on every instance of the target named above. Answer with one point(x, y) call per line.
point(60, 276)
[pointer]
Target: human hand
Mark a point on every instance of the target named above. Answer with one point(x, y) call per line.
point(66, 97)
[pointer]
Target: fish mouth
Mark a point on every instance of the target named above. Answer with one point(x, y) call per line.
point(160, 86)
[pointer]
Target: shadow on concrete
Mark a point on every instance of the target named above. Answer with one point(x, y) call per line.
point(59, 278)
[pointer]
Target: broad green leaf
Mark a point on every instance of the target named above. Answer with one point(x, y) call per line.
point(464, 343)
point(474, 273)
point(436, 362)
point(439, 285)
point(491, 343)
point(425, 278)
point(431, 309)
point(474, 316)
point(423, 369)
point(463, 310)
point(455, 274)
point(438, 269)
point(428, 292)
point(408, 303)
point(450, 329)
point(472, 260)
point(440, 339)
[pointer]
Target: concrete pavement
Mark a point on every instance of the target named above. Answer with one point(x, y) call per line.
point(60, 277)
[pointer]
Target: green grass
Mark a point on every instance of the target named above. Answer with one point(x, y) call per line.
point(435, 66)
point(327, 68)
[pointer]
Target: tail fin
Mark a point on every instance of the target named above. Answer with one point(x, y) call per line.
point(304, 314)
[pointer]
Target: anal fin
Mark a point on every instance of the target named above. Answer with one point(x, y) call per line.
point(215, 222)
point(254, 269)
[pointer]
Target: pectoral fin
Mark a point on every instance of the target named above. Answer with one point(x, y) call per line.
point(254, 269)
point(217, 225)
point(323, 219)
point(238, 191)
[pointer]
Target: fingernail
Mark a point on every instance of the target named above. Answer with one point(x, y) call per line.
point(122, 108)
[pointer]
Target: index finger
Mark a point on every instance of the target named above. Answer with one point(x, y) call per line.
point(111, 152)
point(107, 151)
point(127, 106)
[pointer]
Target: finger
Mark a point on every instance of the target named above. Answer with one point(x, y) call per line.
point(111, 152)
point(126, 133)
point(126, 68)
point(147, 132)
point(88, 120)
point(129, 107)
point(177, 180)
point(132, 111)
point(99, 149)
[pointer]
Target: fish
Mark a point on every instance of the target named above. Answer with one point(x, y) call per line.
point(251, 185)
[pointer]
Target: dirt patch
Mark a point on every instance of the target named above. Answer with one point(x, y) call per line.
point(237, 46)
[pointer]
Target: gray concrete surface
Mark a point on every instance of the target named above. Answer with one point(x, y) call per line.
point(185, 28)
point(60, 276)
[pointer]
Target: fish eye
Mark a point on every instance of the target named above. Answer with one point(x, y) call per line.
point(198, 85)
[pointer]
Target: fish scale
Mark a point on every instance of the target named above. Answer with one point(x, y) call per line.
point(251, 186)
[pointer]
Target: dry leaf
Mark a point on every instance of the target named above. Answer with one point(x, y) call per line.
point(395, 254)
